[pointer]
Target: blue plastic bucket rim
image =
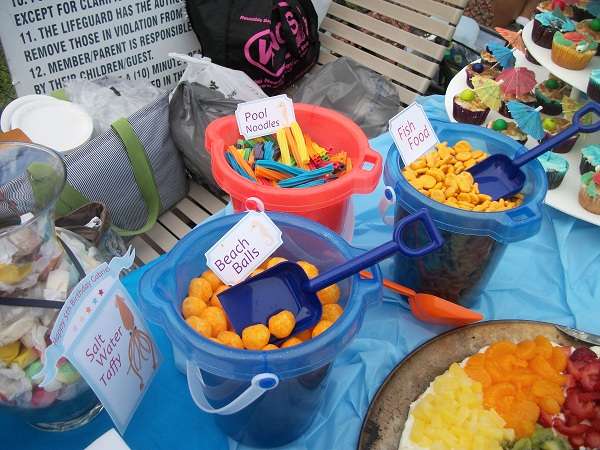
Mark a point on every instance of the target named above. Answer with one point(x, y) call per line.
point(504, 226)
point(285, 363)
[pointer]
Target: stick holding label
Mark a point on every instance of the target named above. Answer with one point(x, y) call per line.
point(264, 117)
point(412, 133)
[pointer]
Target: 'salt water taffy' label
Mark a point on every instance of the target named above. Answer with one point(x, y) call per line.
point(264, 116)
point(412, 133)
point(100, 331)
point(244, 247)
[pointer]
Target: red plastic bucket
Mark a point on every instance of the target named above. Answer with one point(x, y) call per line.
point(326, 204)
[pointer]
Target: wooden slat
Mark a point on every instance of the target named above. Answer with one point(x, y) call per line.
point(459, 3)
point(162, 237)
point(388, 31)
point(405, 99)
point(174, 224)
point(433, 8)
point(380, 47)
point(408, 17)
point(143, 251)
point(191, 210)
point(372, 62)
point(205, 199)
point(325, 56)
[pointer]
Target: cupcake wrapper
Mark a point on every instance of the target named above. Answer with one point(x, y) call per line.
point(585, 166)
point(542, 35)
point(589, 203)
point(504, 110)
point(569, 58)
point(593, 91)
point(580, 14)
point(531, 59)
point(566, 146)
point(551, 108)
point(470, 74)
point(464, 115)
point(554, 178)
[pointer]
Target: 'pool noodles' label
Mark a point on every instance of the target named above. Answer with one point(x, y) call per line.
point(265, 116)
point(412, 133)
point(245, 247)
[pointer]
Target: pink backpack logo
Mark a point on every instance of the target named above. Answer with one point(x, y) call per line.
point(264, 49)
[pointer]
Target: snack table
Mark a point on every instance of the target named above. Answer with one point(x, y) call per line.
point(550, 277)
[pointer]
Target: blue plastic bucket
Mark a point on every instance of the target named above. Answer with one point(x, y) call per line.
point(473, 241)
point(264, 399)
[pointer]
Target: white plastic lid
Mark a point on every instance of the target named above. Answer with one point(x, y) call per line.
point(59, 125)
point(7, 113)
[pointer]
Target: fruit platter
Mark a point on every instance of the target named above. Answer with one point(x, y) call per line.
point(507, 385)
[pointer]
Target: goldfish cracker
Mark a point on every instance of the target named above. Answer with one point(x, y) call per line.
point(330, 294)
point(255, 337)
point(322, 326)
point(291, 342)
point(192, 306)
point(274, 261)
point(269, 347)
point(310, 269)
point(331, 312)
point(230, 339)
point(214, 300)
point(200, 325)
point(282, 324)
point(216, 317)
point(214, 280)
point(304, 335)
point(199, 287)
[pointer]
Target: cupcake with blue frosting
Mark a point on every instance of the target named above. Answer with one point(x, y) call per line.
point(590, 159)
point(545, 24)
point(589, 194)
point(555, 167)
point(593, 88)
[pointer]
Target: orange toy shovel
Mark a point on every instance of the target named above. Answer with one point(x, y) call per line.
point(432, 309)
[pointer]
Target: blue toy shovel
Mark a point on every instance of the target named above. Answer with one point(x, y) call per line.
point(287, 287)
point(500, 177)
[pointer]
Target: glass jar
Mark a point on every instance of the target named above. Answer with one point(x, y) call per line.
point(38, 268)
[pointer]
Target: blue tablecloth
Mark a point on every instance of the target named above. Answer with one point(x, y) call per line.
point(552, 277)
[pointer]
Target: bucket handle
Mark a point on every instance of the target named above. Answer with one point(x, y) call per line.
point(259, 384)
point(387, 201)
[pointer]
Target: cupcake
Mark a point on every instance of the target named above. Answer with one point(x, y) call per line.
point(553, 126)
point(591, 27)
point(549, 6)
point(590, 159)
point(555, 167)
point(487, 59)
point(593, 88)
point(531, 59)
point(549, 95)
point(481, 70)
point(509, 129)
point(580, 11)
point(468, 109)
point(546, 24)
point(529, 99)
point(573, 50)
point(589, 194)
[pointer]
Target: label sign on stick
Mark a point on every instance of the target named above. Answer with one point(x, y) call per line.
point(103, 335)
point(265, 116)
point(244, 247)
point(412, 133)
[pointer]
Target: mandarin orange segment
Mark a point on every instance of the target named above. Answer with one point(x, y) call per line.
point(479, 374)
point(528, 410)
point(526, 350)
point(558, 360)
point(544, 347)
point(477, 360)
point(500, 348)
point(495, 372)
point(523, 429)
point(543, 368)
point(498, 393)
point(549, 405)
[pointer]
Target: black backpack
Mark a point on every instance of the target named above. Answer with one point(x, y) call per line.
point(274, 42)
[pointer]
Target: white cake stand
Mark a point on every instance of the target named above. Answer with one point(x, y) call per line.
point(563, 198)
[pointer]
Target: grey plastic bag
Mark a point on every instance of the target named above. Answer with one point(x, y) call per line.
point(193, 106)
point(352, 89)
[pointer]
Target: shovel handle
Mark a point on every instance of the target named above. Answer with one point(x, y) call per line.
point(576, 127)
point(380, 253)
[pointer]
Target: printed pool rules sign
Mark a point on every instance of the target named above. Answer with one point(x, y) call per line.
point(103, 335)
point(244, 247)
point(47, 43)
point(412, 133)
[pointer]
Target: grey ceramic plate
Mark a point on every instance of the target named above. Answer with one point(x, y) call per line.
point(384, 422)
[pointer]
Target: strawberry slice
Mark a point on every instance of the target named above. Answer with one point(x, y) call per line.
point(575, 368)
point(592, 439)
point(577, 441)
point(590, 376)
point(545, 419)
point(583, 354)
point(596, 424)
point(574, 430)
point(579, 406)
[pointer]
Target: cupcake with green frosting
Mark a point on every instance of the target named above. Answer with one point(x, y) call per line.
point(573, 50)
point(555, 167)
point(593, 88)
point(468, 109)
point(549, 95)
point(591, 27)
point(590, 159)
point(589, 194)
point(509, 129)
point(554, 125)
